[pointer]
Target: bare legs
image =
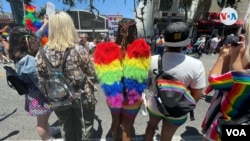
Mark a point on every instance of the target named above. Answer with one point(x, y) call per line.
point(3, 58)
point(115, 126)
point(150, 130)
point(119, 120)
point(167, 130)
point(43, 127)
point(127, 128)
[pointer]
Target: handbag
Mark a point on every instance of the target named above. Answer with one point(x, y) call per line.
point(15, 82)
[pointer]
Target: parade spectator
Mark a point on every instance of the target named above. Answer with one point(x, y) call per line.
point(3, 58)
point(84, 41)
point(6, 49)
point(199, 45)
point(88, 46)
point(174, 62)
point(228, 76)
point(92, 45)
point(153, 45)
point(160, 47)
point(122, 68)
point(78, 119)
point(214, 44)
point(23, 46)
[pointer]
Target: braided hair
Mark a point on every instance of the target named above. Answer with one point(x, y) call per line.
point(22, 40)
point(127, 32)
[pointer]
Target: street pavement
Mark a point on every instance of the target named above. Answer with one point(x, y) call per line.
point(15, 124)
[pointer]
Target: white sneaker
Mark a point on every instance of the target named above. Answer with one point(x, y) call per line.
point(54, 130)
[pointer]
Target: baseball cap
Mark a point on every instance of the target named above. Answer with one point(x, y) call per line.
point(177, 35)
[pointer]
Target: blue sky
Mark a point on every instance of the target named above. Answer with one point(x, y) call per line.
point(109, 7)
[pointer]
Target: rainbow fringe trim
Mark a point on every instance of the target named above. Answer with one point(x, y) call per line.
point(109, 71)
point(135, 69)
point(133, 72)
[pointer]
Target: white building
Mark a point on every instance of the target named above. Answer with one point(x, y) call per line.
point(148, 17)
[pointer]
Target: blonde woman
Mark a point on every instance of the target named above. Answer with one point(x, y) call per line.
point(62, 35)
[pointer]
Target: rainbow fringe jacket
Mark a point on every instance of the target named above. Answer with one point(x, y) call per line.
point(119, 75)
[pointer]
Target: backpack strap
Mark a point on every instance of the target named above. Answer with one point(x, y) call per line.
point(158, 71)
point(65, 55)
point(49, 65)
point(42, 52)
point(159, 63)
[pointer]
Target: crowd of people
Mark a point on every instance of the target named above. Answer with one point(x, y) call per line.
point(124, 67)
point(4, 47)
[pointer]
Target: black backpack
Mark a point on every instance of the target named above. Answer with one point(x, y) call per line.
point(15, 82)
point(173, 98)
point(58, 89)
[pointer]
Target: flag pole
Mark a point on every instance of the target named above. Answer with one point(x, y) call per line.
point(23, 9)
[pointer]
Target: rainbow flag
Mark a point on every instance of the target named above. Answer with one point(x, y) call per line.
point(30, 20)
point(237, 99)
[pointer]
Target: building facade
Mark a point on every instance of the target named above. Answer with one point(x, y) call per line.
point(201, 15)
point(87, 22)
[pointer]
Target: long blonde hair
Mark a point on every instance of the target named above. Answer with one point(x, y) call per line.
point(62, 32)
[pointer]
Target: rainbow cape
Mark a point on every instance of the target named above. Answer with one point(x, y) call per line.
point(117, 75)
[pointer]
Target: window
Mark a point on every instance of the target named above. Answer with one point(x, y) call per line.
point(165, 5)
point(221, 3)
point(226, 3)
point(230, 3)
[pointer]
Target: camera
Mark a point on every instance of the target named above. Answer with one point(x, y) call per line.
point(231, 39)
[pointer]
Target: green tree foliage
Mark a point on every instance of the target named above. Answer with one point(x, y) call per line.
point(41, 13)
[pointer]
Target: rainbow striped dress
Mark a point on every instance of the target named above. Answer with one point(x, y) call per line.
point(123, 78)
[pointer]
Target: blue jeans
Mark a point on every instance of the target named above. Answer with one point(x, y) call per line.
point(160, 50)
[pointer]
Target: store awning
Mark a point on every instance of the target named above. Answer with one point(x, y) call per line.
point(216, 22)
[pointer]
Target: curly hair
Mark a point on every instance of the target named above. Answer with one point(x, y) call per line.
point(127, 32)
point(22, 40)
